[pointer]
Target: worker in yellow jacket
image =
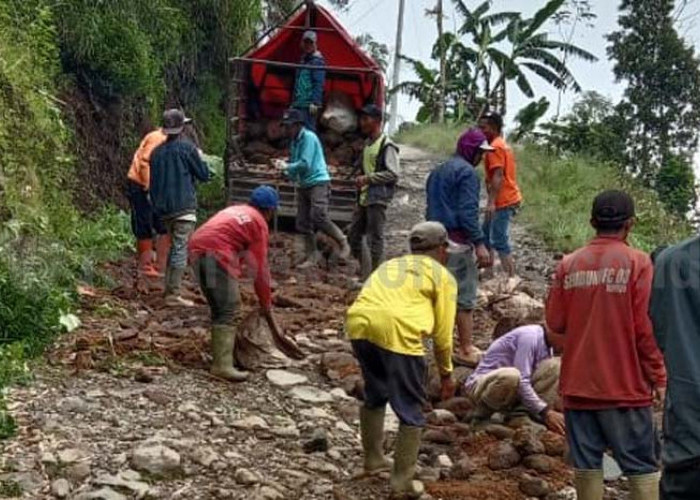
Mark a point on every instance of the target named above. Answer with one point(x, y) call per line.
point(403, 301)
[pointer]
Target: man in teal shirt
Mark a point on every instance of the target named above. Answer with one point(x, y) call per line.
point(307, 168)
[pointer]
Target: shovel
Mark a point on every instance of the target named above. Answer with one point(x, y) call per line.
point(284, 343)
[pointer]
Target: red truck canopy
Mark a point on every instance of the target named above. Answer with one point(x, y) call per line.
point(348, 68)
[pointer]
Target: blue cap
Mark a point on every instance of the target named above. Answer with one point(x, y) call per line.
point(265, 197)
point(292, 116)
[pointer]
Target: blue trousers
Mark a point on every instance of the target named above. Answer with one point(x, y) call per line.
point(496, 230)
point(397, 379)
point(628, 432)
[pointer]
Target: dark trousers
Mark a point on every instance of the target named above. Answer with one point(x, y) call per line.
point(312, 211)
point(681, 484)
point(368, 221)
point(144, 222)
point(628, 432)
point(392, 378)
point(220, 289)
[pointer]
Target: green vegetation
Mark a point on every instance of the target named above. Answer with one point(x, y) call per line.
point(558, 191)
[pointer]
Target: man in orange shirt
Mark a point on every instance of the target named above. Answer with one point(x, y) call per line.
point(502, 187)
point(611, 366)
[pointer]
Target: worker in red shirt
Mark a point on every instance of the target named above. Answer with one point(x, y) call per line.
point(611, 368)
point(237, 234)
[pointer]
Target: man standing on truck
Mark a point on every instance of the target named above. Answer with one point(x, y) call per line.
point(176, 166)
point(380, 173)
point(611, 368)
point(307, 167)
point(504, 193)
point(404, 300)
point(308, 85)
point(236, 235)
point(453, 200)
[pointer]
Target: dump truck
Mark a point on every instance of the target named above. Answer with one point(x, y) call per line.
point(261, 90)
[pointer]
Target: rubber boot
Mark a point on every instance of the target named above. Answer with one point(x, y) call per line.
point(163, 242)
point(372, 430)
point(589, 484)
point(223, 340)
point(173, 283)
point(310, 252)
point(405, 458)
point(145, 250)
point(337, 234)
point(645, 486)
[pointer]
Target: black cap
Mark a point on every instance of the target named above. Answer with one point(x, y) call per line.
point(173, 121)
point(494, 118)
point(292, 116)
point(373, 111)
point(612, 207)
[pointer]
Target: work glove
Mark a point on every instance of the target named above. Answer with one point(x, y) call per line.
point(313, 109)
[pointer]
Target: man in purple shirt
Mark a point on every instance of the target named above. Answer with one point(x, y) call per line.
point(519, 369)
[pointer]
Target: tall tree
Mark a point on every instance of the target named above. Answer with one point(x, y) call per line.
point(662, 99)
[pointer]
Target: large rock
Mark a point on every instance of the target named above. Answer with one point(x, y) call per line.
point(246, 477)
point(519, 305)
point(338, 365)
point(540, 463)
point(60, 488)
point(101, 494)
point(503, 456)
point(463, 469)
point(441, 417)
point(71, 456)
point(460, 407)
point(527, 442)
point(317, 443)
point(438, 436)
point(311, 394)
point(534, 486)
point(124, 481)
point(499, 431)
point(250, 423)
point(284, 378)
point(156, 459)
point(554, 444)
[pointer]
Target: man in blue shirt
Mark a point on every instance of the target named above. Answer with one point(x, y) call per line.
point(453, 200)
point(308, 85)
point(307, 168)
point(176, 167)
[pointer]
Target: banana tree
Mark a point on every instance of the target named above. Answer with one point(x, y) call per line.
point(532, 51)
point(426, 90)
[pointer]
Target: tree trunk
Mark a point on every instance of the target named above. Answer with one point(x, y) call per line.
point(443, 64)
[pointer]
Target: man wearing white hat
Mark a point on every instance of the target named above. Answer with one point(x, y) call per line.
point(308, 86)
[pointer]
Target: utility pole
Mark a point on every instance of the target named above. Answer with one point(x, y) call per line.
point(443, 64)
point(397, 68)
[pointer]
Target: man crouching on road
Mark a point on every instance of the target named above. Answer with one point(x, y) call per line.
point(519, 369)
point(236, 234)
point(403, 300)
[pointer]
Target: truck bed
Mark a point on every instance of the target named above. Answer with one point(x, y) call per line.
point(243, 180)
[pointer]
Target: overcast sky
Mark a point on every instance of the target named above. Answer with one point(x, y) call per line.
point(378, 18)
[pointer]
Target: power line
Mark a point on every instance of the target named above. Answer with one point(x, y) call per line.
point(366, 13)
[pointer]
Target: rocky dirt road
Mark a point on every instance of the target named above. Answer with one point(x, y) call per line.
point(123, 407)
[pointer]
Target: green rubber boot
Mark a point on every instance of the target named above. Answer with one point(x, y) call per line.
point(405, 458)
point(372, 430)
point(223, 339)
point(645, 486)
point(589, 484)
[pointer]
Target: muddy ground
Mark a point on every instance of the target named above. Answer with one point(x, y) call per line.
point(124, 408)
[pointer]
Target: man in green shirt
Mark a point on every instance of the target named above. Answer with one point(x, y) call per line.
point(377, 183)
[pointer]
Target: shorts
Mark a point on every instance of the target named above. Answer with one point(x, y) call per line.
point(397, 379)
point(496, 230)
point(628, 432)
point(463, 267)
point(144, 221)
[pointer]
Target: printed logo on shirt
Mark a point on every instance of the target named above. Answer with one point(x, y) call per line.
point(615, 280)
